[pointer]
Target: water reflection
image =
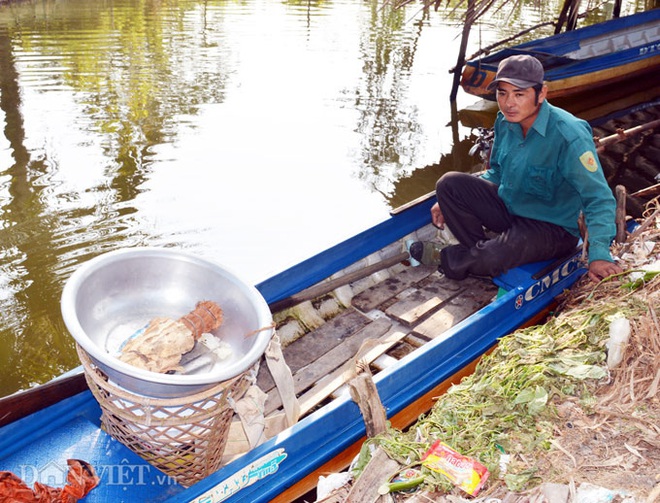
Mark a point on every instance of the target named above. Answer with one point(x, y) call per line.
point(387, 62)
point(254, 133)
point(204, 125)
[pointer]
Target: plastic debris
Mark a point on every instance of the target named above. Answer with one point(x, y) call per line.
point(505, 459)
point(464, 472)
point(589, 493)
point(80, 480)
point(327, 485)
point(407, 481)
point(616, 345)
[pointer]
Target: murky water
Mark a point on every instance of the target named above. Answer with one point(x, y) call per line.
point(254, 133)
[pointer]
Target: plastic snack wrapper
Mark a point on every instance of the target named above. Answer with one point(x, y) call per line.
point(464, 472)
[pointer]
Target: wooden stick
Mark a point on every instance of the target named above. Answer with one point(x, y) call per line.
point(649, 220)
point(642, 227)
point(364, 393)
point(651, 191)
point(620, 218)
point(622, 134)
point(412, 203)
point(379, 469)
point(328, 286)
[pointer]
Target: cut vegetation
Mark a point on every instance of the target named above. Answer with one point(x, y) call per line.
point(544, 407)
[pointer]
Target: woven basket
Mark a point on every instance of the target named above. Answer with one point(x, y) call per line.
point(183, 437)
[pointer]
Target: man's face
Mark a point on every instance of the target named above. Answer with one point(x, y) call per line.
point(519, 105)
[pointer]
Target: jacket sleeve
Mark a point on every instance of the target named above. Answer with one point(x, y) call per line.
point(583, 170)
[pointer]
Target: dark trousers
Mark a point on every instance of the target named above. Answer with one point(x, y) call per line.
point(470, 204)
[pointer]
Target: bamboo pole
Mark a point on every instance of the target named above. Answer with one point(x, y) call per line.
point(328, 286)
point(622, 134)
point(651, 191)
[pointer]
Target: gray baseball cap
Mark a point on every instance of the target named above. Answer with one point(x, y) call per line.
point(521, 70)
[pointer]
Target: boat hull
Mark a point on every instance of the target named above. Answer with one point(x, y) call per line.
point(329, 432)
point(283, 467)
point(571, 69)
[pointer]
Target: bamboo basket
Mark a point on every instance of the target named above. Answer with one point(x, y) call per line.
point(183, 437)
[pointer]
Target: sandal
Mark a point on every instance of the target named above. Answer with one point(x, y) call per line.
point(426, 252)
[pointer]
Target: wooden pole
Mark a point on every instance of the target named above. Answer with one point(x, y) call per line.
point(620, 193)
point(365, 394)
point(651, 191)
point(562, 16)
point(467, 25)
point(622, 134)
point(379, 469)
point(327, 286)
point(573, 15)
point(568, 15)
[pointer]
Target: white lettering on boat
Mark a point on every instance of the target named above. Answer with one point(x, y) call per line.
point(651, 48)
point(257, 470)
point(561, 272)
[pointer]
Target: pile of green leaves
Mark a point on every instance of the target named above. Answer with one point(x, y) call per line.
point(507, 406)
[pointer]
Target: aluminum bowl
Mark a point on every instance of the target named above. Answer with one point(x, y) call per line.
point(113, 295)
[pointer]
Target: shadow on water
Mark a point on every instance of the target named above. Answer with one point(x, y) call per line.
point(408, 188)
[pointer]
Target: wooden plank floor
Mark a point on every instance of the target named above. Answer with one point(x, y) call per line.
point(386, 321)
point(399, 314)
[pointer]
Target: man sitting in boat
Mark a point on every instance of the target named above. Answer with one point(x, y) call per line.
point(543, 172)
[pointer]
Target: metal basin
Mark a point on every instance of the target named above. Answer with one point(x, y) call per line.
point(110, 297)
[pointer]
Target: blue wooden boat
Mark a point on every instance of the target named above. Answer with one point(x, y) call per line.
point(618, 52)
point(442, 343)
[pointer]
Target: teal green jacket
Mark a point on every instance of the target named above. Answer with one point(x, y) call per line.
point(553, 174)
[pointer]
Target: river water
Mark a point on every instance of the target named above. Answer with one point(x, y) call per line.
point(252, 133)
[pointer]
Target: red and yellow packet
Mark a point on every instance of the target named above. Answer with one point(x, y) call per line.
point(464, 472)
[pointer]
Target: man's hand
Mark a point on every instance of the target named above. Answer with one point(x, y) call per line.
point(437, 217)
point(600, 269)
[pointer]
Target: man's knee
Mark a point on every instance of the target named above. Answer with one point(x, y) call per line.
point(448, 181)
